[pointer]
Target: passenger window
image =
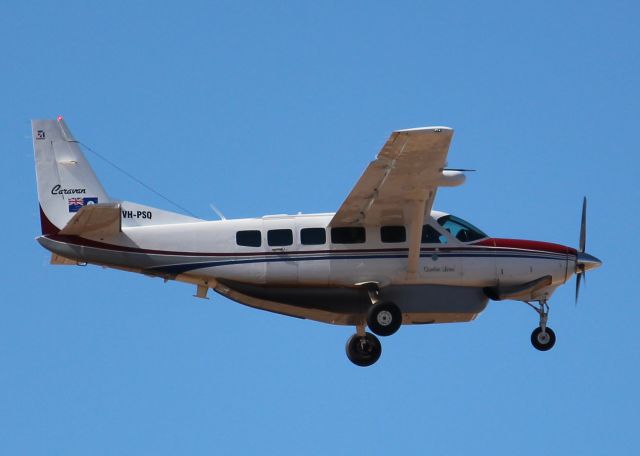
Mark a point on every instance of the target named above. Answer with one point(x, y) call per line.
point(348, 235)
point(431, 236)
point(249, 238)
point(393, 234)
point(279, 238)
point(313, 236)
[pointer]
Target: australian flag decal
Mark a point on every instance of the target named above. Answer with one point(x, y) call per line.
point(75, 204)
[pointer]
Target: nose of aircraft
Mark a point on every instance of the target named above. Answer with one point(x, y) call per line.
point(586, 262)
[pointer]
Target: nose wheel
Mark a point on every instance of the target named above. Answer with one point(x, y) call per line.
point(542, 338)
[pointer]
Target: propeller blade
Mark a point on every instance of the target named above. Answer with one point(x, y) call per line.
point(583, 226)
point(584, 261)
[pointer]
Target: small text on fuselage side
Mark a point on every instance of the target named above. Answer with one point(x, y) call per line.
point(439, 269)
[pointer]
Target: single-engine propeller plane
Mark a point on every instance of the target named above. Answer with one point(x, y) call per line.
point(384, 259)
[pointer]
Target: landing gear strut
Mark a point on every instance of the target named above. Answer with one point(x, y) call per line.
point(542, 338)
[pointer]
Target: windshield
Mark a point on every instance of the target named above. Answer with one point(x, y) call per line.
point(461, 230)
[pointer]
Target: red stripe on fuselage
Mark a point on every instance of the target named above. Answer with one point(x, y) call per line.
point(526, 245)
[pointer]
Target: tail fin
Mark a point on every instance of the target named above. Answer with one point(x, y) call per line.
point(66, 181)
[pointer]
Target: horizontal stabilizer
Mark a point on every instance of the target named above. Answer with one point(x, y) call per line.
point(520, 291)
point(96, 220)
point(62, 261)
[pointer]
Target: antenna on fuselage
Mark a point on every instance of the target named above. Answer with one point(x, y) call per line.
point(217, 211)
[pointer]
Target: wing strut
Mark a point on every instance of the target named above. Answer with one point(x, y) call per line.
point(415, 237)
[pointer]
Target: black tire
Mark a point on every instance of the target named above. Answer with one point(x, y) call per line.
point(384, 318)
point(364, 350)
point(542, 343)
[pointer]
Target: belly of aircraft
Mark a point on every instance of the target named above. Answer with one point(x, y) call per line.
point(347, 305)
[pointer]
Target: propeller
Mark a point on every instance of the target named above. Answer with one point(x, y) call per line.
point(584, 261)
point(580, 270)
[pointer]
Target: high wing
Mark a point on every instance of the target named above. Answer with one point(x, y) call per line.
point(399, 186)
point(408, 169)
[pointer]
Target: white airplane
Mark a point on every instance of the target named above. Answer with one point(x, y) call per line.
point(384, 259)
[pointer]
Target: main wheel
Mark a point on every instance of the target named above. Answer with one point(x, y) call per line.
point(363, 350)
point(384, 318)
point(543, 341)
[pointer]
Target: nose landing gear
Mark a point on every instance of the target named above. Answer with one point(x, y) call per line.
point(542, 338)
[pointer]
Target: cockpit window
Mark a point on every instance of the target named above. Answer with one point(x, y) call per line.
point(460, 229)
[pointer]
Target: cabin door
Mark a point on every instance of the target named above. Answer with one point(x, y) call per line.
point(280, 244)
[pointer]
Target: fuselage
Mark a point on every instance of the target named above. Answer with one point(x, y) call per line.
point(302, 250)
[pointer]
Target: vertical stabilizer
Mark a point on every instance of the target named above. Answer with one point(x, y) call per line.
point(65, 179)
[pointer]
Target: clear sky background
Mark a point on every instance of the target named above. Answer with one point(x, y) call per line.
point(277, 107)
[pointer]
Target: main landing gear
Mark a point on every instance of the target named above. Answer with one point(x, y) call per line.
point(363, 348)
point(542, 338)
point(384, 319)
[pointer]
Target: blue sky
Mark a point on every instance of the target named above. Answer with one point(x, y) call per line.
point(277, 107)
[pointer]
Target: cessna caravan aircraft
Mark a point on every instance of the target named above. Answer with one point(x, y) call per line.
point(384, 259)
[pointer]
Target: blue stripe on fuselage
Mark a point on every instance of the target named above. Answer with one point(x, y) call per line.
point(184, 267)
